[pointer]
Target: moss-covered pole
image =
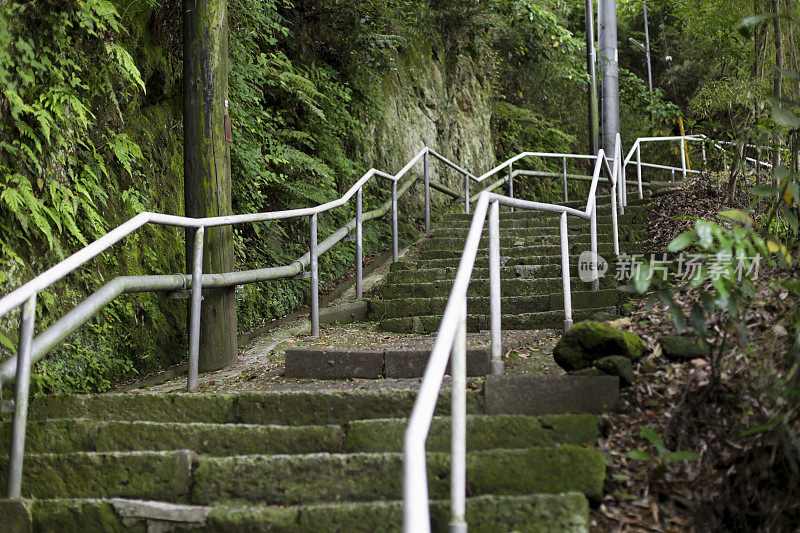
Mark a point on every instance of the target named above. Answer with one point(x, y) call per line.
point(207, 178)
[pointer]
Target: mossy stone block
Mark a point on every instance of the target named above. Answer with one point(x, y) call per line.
point(145, 475)
point(617, 365)
point(588, 341)
point(677, 348)
point(483, 432)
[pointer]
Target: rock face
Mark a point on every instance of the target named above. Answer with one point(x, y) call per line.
point(677, 348)
point(590, 341)
point(442, 101)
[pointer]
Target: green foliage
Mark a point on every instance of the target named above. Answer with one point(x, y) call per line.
point(54, 166)
point(663, 455)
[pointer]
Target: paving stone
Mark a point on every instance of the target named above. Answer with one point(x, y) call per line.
point(333, 364)
point(540, 395)
point(412, 363)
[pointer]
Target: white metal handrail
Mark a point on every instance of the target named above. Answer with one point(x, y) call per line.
point(451, 339)
point(30, 349)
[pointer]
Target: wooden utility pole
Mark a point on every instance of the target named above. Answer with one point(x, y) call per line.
point(207, 168)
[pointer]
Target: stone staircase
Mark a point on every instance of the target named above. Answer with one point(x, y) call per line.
point(320, 461)
point(416, 289)
point(300, 461)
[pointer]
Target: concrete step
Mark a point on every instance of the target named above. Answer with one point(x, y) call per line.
point(567, 512)
point(184, 477)
point(480, 287)
point(511, 305)
point(378, 435)
point(300, 408)
point(540, 320)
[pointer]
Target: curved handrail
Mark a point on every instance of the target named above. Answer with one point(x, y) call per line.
point(451, 338)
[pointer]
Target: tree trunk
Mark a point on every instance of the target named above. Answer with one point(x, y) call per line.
point(778, 79)
point(207, 173)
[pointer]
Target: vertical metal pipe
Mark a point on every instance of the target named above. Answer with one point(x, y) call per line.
point(614, 222)
point(458, 421)
point(511, 183)
point(639, 168)
point(197, 302)
point(704, 152)
point(647, 48)
point(565, 275)
point(360, 243)
point(593, 231)
point(17, 449)
point(314, 265)
point(683, 157)
point(564, 174)
point(497, 366)
point(395, 236)
point(594, 122)
point(466, 194)
point(672, 175)
point(609, 66)
point(426, 173)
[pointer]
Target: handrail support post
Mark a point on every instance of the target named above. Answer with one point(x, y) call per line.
point(426, 173)
point(564, 174)
point(565, 274)
point(314, 266)
point(496, 365)
point(639, 168)
point(458, 426)
point(195, 317)
point(511, 183)
point(466, 194)
point(21, 396)
point(360, 244)
point(395, 246)
point(593, 231)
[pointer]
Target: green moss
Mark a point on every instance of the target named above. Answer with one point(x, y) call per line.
point(78, 516)
point(589, 341)
point(483, 433)
point(144, 475)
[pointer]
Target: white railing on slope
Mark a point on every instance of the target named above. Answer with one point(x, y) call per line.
point(451, 338)
point(31, 349)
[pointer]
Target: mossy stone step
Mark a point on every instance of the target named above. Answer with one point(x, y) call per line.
point(526, 321)
point(511, 305)
point(531, 222)
point(603, 247)
point(483, 432)
point(548, 275)
point(378, 435)
point(509, 240)
point(535, 513)
point(291, 480)
point(183, 477)
point(552, 231)
point(602, 209)
point(482, 261)
point(286, 408)
point(480, 287)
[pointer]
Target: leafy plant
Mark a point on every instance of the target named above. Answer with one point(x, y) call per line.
point(663, 455)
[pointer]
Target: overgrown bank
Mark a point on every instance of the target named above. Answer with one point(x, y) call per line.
point(320, 92)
